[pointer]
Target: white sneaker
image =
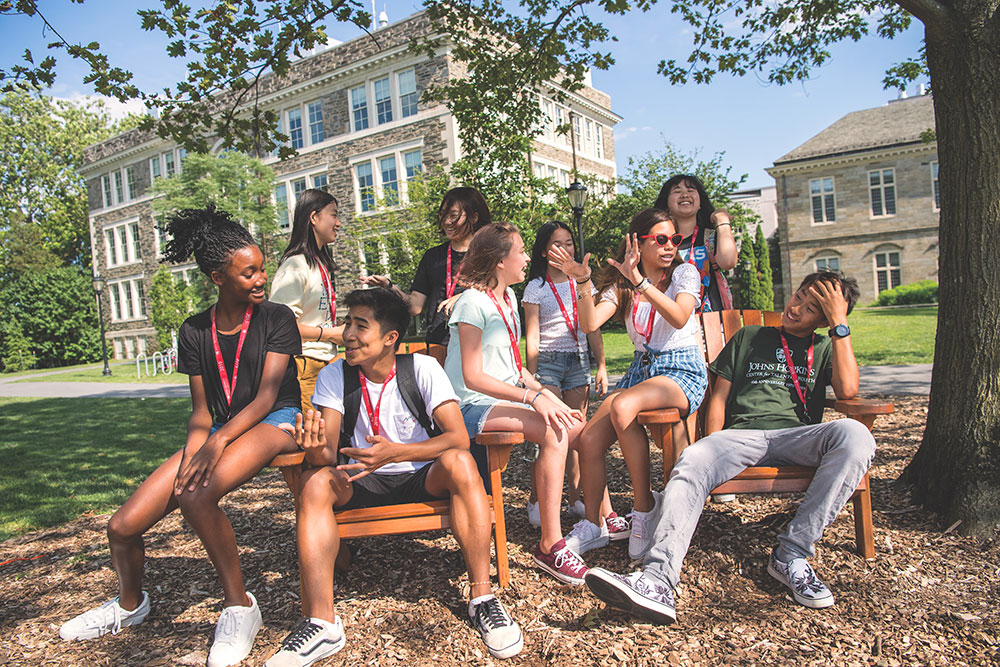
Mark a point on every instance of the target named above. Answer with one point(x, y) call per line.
point(577, 510)
point(99, 621)
point(534, 515)
point(801, 579)
point(586, 536)
point(309, 641)
point(643, 525)
point(234, 634)
point(500, 633)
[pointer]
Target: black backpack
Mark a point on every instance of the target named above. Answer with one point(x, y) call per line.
point(406, 380)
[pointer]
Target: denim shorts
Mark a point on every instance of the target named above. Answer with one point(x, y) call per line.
point(280, 416)
point(683, 365)
point(563, 370)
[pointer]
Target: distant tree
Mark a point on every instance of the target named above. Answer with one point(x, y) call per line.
point(765, 293)
point(56, 312)
point(15, 348)
point(170, 304)
point(43, 200)
point(747, 289)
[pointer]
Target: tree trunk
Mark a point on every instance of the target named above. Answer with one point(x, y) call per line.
point(956, 471)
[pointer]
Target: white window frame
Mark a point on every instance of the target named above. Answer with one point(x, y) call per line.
point(823, 194)
point(128, 299)
point(373, 159)
point(887, 252)
point(172, 158)
point(826, 258)
point(292, 130)
point(877, 193)
point(128, 249)
point(354, 110)
point(287, 182)
point(106, 189)
point(935, 186)
point(395, 108)
point(307, 125)
point(399, 92)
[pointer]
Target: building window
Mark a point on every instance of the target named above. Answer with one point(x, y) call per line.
point(154, 167)
point(599, 140)
point(168, 163)
point(935, 187)
point(122, 243)
point(823, 200)
point(882, 187)
point(390, 182)
point(887, 271)
point(106, 189)
point(383, 100)
point(295, 128)
point(366, 189)
point(281, 205)
point(407, 82)
point(128, 299)
point(119, 192)
point(316, 131)
point(162, 237)
point(828, 264)
point(359, 108)
point(298, 187)
point(414, 164)
point(130, 182)
point(319, 181)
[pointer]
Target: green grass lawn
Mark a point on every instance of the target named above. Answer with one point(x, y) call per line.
point(63, 457)
point(38, 371)
point(120, 373)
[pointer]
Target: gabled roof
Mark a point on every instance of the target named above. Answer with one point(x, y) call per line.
point(899, 122)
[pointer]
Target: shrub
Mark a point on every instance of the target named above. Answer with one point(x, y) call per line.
point(922, 291)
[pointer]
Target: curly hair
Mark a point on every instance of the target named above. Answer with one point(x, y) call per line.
point(210, 234)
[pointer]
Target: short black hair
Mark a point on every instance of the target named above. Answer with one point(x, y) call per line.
point(390, 307)
point(848, 286)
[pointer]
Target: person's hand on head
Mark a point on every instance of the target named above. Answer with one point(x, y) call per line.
point(830, 296)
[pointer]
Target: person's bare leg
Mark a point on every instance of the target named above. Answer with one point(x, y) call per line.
point(652, 394)
point(454, 474)
point(533, 493)
point(240, 461)
point(318, 536)
point(595, 440)
point(577, 398)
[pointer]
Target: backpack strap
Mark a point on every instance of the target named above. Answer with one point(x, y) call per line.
point(406, 380)
point(352, 404)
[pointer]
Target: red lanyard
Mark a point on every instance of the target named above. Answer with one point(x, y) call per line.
point(572, 324)
point(694, 235)
point(648, 333)
point(373, 415)
point(331, 297)
point(511, 332)
point(449, 284)
point(228, 389)
point(791, 365)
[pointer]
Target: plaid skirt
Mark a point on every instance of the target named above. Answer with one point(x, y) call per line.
point(683, 365)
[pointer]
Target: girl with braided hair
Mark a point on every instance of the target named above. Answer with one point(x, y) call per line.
point(239, 355)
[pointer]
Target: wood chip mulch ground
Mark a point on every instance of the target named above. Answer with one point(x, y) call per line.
point(930, 597)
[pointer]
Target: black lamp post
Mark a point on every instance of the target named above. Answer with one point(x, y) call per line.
point(99, 283)
point(577, 193)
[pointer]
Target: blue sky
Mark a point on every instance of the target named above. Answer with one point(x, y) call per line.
point(752, 122)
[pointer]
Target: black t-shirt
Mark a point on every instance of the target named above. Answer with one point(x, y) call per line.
point(430, 280)
point(272, 329)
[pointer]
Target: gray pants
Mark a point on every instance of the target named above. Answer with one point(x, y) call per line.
point(841, 452)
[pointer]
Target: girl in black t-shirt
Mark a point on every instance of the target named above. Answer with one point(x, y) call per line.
point(435, 284)
point(239, 355)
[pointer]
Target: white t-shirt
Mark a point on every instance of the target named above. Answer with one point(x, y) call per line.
point(686, 280)
point(302, 289)
point(396, 422)
point(553, 332)
point(476, 308)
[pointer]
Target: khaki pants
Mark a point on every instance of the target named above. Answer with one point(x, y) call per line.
point(309, 369)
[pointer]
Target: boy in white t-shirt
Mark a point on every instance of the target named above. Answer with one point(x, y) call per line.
point(392, 459)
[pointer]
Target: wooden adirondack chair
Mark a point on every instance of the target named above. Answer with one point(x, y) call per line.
point(718, 328)
point(416, 517)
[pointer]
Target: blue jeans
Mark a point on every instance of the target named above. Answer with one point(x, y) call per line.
point(280, 416)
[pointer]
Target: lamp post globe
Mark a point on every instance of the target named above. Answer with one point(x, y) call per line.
point(98, 283)
point(577, 194)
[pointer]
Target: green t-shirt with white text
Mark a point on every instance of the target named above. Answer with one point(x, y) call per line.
point(763, 395)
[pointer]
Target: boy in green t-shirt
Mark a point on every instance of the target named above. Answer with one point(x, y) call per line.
point(764, 411)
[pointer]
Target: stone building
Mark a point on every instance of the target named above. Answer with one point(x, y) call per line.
point(353, 111)
point(862, 197)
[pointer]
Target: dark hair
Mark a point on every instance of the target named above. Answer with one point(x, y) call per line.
point(539, 261)
point(643, 221)
point(486, 249)
point(705, 209)
point(302, 240)
point(848, 286)
point(390, 308)
point(472, 202)
point(210, 234)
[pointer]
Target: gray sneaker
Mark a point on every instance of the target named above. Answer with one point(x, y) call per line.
point(586, 536)
point(500, 633)
point(642, 596)
point(643, 525)
point(801, 579)
point(110, 617)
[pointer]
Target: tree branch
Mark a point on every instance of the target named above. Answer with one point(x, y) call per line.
point(929, 12)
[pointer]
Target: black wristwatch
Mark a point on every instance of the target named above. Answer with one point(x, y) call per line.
point(840, 331)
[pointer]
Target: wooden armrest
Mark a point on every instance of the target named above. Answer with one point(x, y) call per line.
point(286, 460)
point(499, 438)
point(661, 416)
point(859, 407)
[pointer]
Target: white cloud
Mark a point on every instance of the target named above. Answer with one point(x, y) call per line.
point(625, 132)
point(116, 110)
